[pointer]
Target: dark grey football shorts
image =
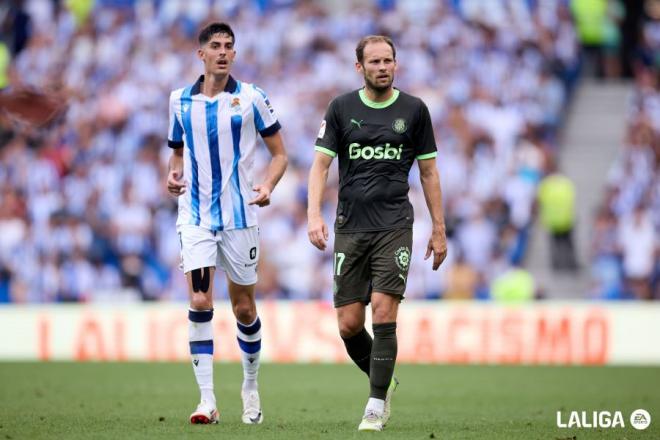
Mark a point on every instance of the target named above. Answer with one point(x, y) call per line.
point(366, 262)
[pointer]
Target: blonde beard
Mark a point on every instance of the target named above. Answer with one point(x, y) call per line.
point(376, 88)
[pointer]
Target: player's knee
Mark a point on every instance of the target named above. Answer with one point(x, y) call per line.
point(200, 301)
point(384, 308)
point(383, 314)
point(245, 311)
point(350, 327)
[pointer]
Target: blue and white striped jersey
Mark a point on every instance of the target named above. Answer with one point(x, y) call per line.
point(219, 136)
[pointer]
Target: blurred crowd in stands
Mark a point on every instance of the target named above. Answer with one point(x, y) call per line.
point(84, 214)
point(626, 242)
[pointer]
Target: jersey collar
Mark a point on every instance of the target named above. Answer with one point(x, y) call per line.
point(369, 103)
point(231, 86)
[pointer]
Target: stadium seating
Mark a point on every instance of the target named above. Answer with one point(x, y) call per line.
point(85, 201)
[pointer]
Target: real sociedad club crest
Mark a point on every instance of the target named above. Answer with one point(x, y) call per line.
point(236, 105)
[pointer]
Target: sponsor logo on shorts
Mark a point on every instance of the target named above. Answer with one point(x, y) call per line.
point(402, 257)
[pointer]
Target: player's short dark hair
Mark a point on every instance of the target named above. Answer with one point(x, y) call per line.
point(359, 50)
point(210, 30)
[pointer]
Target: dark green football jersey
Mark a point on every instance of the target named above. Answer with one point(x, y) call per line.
point(376, 143)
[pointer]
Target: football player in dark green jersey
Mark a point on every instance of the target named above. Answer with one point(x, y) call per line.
point(376, 133)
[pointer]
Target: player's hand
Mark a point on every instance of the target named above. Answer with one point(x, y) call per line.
point(438, 246)
point(263, 196)
point(175, 184)
point(317, 231)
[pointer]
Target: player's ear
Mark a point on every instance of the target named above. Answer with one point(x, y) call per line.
point(359, 67)
point(200, 53)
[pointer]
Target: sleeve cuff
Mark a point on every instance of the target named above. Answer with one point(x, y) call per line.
point(427, 156)
point(325, 151)
point(271, 130)
point(174, 144)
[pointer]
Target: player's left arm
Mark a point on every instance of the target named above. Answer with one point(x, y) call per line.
point(430, 180)
point(268, 127)
point(426, 153)
point(276, 168)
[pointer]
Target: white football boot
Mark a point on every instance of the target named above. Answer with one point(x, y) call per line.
point(252, 414)
point(372, 421)
point(388, 400)
point(204, 414)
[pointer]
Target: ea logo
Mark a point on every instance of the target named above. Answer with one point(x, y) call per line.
point(640, 419)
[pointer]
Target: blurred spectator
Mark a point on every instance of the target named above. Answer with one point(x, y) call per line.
point(80, 10)
point(462, 280)
point(639, 243)
point(514, 285)
point(15, 25)
point(605, 269)
point(556, 197)
point(598, 23)
point(5, 59)
point(625, 243)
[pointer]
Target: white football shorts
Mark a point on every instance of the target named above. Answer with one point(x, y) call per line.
point(235, 251)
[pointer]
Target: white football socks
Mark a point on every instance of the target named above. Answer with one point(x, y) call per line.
point(375, 405)
point(200, 334)
point(249, 341)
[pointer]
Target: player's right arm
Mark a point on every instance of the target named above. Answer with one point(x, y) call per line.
point(326, 150)
point(175, 183)
point(317, 230)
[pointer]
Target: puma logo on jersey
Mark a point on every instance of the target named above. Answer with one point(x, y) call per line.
point(358, 124)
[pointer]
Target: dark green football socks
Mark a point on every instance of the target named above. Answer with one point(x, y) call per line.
point(383, 357)
point(359, 349)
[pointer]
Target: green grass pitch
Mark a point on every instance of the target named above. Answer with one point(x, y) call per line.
point(142, 400)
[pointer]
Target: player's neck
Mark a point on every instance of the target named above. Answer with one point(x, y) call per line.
point(214, 84)
point(378, 95)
